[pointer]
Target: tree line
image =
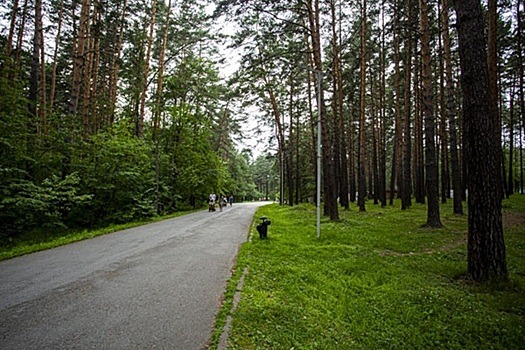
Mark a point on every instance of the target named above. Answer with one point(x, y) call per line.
point(115, 110)
point(112, 111)
point(403, 104)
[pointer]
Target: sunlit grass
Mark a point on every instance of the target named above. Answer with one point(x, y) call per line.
point(375, 280)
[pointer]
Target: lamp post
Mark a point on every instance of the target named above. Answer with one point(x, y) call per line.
point(319, 86)
point(319, 76)
point(267, 179)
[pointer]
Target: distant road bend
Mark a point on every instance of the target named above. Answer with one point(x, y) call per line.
point(157, 286)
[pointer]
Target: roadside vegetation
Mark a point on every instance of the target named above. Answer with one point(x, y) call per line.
point(374, 280)
point(43, 239)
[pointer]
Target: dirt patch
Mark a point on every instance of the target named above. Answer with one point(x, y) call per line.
point(513, 219)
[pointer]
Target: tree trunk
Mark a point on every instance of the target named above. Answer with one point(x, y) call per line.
point(159, 107)
point(140, 118)
point(419, 159)
point(451, 112)
point(431, 167)
point(382, 120)
point(492, 54)
point(510, 182)
point(115, 66)
point(486, 246)
point(290, 148)
point(330, 194)
point(521, 74)
point(35, 88)
point(443, 134)
point(88, 77)
point(52, 88)
point(374, 161)
point(396, 175)
point(351, 153)
point(361, 179)
point(79, 57)
point(39, 31)
point(20, 36)
point(340, 144)
point(406, 199)
point(14, 14)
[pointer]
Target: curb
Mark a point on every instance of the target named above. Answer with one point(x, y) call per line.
point(223, 341)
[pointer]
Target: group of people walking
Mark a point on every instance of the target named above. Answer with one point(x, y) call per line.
point(220, 200)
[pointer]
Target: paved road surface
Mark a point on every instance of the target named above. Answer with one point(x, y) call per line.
point(157, 286)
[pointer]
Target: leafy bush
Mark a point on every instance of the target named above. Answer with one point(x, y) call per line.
point(118, 172)
point(26, 205)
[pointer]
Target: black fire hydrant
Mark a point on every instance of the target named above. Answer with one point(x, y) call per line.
point(262, 228)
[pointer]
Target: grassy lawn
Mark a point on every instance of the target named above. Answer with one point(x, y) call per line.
point(374, 280)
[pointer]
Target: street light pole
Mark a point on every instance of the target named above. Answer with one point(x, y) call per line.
point(319, 86)
point(267, 179)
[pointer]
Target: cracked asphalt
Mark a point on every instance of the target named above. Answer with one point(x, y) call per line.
point(157, 286)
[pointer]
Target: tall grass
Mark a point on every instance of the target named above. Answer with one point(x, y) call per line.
point(374, 280)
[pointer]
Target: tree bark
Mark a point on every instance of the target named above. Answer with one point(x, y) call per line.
point(115, 66)
point(52, 88)
point(39, 31)
point(79, 49)
point(431, 167)
point(37, 81)
point(443, 134)
point(140, 118)
point(330, 194)
point(159, 106)
point(340, 144)
point(14, 14)
point(419, 159)
point(20, 35)
point(361, 178)
point(451, 112)
point(406, 199)
point(395, 177)
point(290, 149)
point(521, 75)
point(486, 246)
point(492, 57)
point(510, 182)
point(382, 121)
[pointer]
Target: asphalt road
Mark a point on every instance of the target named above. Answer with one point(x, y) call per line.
point(157, 286)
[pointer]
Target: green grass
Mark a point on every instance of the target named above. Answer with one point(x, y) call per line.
point(374, 280)
point(42, 240)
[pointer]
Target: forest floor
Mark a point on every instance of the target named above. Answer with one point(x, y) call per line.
point(375, 280)
point(513, 219)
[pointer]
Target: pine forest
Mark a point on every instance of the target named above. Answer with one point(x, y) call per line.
point(119, 110)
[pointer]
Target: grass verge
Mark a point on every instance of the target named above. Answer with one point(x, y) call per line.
point(46, 240)
point(374, 280)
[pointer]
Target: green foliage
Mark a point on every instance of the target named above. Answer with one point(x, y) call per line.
point(27, 205)
point(240, 182)
point(374, 280)
point(84, 166)
point(35, 242)
point(118, 170)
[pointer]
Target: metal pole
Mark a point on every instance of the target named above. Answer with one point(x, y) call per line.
point(281, 200)
point(319, 85)
point(267, 179)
